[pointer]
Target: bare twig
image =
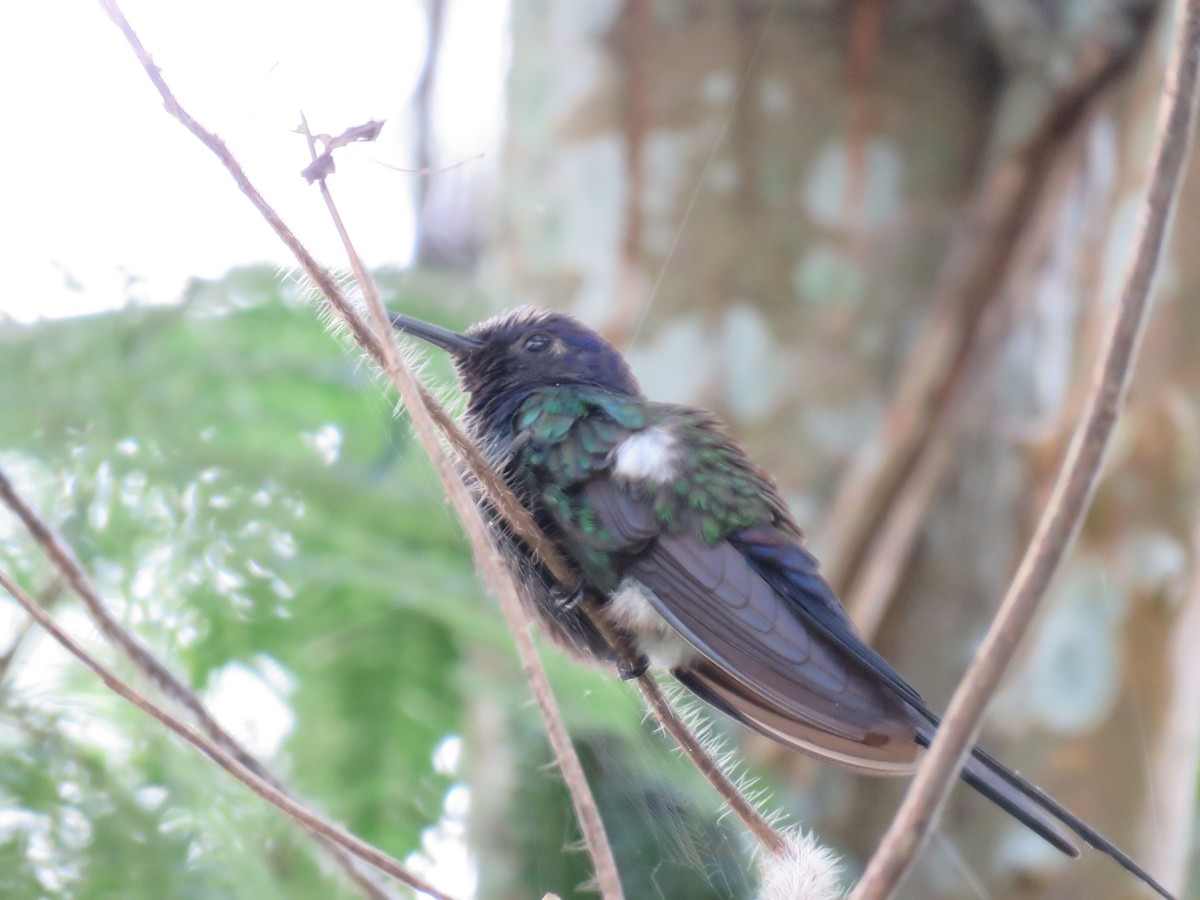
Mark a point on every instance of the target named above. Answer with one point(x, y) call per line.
point(322, 163)
point(359, 329)
point(63, 559)
point(672, 723)
point(496, 574)
point(310, 820)
point(414, 395)
point(1077, 479)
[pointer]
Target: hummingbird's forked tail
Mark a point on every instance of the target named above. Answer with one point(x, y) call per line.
point(888, 749)
point(1030, 805)
point(872, 756)
point(1025, 802)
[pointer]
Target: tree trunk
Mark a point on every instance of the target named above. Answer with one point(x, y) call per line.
point(880, 239)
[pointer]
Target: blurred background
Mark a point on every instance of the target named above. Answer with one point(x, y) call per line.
point(879, 237)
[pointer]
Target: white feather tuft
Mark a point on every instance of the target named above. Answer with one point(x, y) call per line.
point(803, 871)
point(648, 455)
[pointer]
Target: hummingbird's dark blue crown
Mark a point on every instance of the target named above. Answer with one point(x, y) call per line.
point(528, 348)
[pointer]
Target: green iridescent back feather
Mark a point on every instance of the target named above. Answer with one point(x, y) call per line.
point(717, 490)
point(569, 434)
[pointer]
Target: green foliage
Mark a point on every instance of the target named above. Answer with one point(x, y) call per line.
point(234, 480)
point(233, 474)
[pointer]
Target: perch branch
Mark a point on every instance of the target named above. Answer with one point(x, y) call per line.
point(386, 354)
point(739, 804)
point(1076, 482)
point(310, 820)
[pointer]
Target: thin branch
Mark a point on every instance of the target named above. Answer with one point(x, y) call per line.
point(496, 574)
point(64, 561)
point(322, 163)
point(1076, 483)
point(310, 820)
point(386, 354)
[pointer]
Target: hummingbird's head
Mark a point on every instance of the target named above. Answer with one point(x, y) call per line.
point(511, 354)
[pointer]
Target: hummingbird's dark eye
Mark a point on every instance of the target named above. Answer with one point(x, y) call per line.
point(536, 343)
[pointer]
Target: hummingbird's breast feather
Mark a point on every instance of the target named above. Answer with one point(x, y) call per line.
point(631, 608)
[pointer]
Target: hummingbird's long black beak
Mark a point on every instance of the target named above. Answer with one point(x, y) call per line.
point(450, 341)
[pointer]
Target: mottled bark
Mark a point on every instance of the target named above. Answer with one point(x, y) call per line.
point(838, 203)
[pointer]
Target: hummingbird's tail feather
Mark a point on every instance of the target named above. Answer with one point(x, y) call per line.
point(886, 750)
point(1006, 789)
point(1025, 802)
point(1016, 796)
point(718, 688)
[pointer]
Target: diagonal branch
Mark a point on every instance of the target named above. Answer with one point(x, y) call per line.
point(1076, 482)
point(230, 762)
point(741, 806)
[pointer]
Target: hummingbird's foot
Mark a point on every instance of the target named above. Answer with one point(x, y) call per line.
point(630, 668)
point(570, 602)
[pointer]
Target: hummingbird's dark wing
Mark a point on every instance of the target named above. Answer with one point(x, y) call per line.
point(778, 653)
point(766, 665)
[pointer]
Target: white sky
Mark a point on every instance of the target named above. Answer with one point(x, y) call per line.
point(101, 184)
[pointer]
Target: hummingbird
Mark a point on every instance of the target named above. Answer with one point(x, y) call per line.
point(689, 551)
